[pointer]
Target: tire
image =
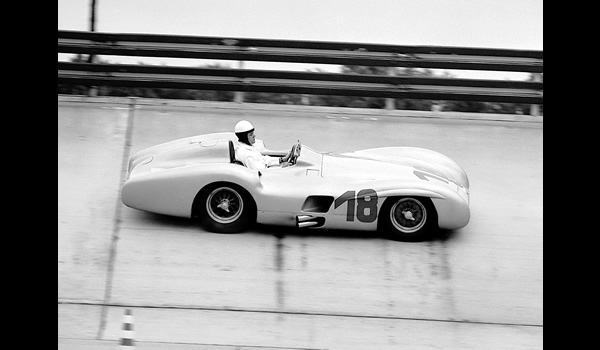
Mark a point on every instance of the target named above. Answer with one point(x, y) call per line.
point(408, 219)
point(225, 208)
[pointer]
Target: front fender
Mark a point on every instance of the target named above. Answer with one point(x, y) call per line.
point(452, 211)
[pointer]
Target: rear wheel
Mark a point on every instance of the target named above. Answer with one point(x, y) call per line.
point(225, 208)
point(409, 219)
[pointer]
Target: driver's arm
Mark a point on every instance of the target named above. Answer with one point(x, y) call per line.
point(284, 161)
point(285, 158)
point(281, 161)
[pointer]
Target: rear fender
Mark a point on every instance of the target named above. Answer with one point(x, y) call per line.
point(172, 191)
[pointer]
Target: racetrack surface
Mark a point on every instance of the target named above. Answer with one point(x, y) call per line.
point(272, 287)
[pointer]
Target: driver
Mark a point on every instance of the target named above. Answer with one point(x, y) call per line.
point(249, 155)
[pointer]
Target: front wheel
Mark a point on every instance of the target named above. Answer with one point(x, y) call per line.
point(225, 208)
point(409, 219)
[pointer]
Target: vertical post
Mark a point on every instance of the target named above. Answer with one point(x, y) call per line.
point(93, 16)
point(92, 90)
point(127, 334)
point(390, 103)
point(305, 99)
point(239, 95)
point(535, 109)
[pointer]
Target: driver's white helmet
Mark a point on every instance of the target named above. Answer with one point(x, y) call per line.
point(243, 126)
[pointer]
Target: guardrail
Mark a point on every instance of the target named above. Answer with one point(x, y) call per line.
point(242, 49)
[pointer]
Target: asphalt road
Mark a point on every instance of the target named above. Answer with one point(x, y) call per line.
point(477, 287)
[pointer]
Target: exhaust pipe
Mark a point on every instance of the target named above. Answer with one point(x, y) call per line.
point(307, 224)
point(303, 221)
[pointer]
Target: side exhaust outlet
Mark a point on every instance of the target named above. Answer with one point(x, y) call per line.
point(304, 221)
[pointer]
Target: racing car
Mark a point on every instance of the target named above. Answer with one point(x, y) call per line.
point(407, 193)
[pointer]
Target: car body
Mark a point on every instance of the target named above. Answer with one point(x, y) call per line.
point(405, 190)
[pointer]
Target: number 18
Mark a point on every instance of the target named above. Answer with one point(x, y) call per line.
point(366, 199)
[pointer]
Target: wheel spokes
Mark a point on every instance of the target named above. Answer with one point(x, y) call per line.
point(224, 205)
point(408, 215)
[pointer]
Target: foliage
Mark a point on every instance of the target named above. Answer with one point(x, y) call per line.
point(316, 100)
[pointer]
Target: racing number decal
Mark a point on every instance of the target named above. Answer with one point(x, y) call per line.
point(364, 205)
point(347, 196)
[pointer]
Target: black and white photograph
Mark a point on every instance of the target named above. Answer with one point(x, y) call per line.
point(300, 175)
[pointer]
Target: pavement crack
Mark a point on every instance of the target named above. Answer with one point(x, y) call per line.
point(279, 266)
point(116, 227)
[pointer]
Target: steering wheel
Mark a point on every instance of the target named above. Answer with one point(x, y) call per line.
point(295, 153)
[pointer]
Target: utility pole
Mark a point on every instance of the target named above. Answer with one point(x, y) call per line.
point(93, 16)
point(93, 90)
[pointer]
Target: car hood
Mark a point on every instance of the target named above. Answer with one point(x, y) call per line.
point(360, 167)
point(408, 163)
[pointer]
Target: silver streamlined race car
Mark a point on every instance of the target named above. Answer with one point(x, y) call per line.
point(405, 192)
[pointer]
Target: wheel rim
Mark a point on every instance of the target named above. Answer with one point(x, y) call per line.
point(408, 215)
point(224, 205)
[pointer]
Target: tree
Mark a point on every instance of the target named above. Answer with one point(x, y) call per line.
point(317, 100)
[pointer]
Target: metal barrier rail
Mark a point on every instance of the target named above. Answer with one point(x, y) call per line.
point(241, 49)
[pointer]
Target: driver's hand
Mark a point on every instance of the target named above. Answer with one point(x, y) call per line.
point(286, 157)
point(284, 161)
